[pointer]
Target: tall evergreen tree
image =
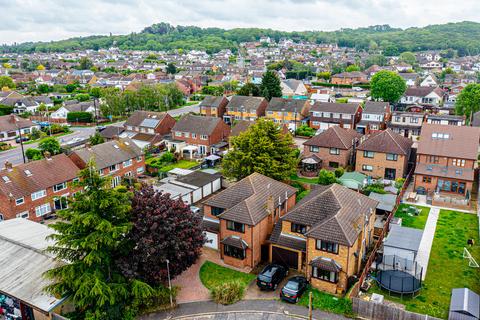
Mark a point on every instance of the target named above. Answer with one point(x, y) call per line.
point(263, 148)
point(89, 237)
point(270, 86)
point(163, 229)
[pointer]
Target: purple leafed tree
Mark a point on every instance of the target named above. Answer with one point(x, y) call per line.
point(163, 229)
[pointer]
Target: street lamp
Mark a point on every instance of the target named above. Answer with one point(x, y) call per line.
point(169, 283)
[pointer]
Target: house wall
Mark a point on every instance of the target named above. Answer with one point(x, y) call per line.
point(324, 154)
point(251, 113)
point(214, 111)
point(379, 162)
point(219, 134)
point(347, 80)
point(166, 125)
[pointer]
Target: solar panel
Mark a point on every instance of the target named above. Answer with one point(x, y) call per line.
point(149, 123)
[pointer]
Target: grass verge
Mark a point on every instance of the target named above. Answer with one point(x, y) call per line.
point(327, 302)
point(213, 275)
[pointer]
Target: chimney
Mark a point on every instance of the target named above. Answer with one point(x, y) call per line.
point(47, 155)
point(8, 165)
point(270, 204)
point(88, 145)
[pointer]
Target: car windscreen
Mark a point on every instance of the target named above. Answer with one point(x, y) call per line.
point(292, 285)
point(264, 278)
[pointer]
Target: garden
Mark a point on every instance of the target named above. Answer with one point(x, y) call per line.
point(327, 302)
point(166, 162)
point(412, 218)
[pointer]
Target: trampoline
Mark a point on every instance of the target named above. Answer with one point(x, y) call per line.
point(399, 275)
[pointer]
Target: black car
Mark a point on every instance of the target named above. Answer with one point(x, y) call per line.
point(271, 276)
point(293, 289)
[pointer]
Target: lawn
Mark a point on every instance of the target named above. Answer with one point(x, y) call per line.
point(212, 275)
point(447, 269)
point(295, 177)
point(182, 164)
point(57, 135)
point(327, 302)
point(417, 222)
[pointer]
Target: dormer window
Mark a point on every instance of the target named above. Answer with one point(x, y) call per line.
point(298, 228)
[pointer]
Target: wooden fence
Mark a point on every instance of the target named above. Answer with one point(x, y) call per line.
point(356, 289)
point(379, 311)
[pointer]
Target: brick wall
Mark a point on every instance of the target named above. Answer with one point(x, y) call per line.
point(379, 162)
point(324, 153)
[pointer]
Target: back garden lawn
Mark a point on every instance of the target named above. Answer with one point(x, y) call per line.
point(412, 221)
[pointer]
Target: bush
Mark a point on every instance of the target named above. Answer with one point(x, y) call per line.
point(4, 146)
point(305, 131)
point(399, 183)
point(326, 177)
point(4, 110)
point(167, 157)
point(56, 128)
point(36, 134)
point(83, 117)
point(375, 187)
point(228, 292)
point(159, 301)
point(33, 154)
point(339, 172)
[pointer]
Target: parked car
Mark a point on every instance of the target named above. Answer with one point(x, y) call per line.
point(293, 289)
point(194, 209)
point(271, 276)
point(17, 140)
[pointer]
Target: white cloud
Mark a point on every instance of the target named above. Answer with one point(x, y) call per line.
point(45, 20)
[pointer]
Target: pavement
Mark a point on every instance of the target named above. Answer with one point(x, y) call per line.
point(245, 309)
point(425, 247)
point(180, 111)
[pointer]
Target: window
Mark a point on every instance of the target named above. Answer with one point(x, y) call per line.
point(6, 179)
point(217, 211)
point(432, 159)
point(327, 246)
point(23, 215)
point(140, 170)
point(194, 135)
point(314, 149)
point(59, 187)
point(367, 168)
point(19, 201)
point(39, 194)
point(413, 120)
point(116, 181)
point(234, 252)
point(392, 156)
point(235, 226)
point(74, 180)
point(60, 203)
point(458, 162)
point(100, 172)
point(43, 210)
point(334, 151)
point(329, 276)
point(139, 158)
point(333, 164)
point(368, 154)
point(427, 179)
point(127, 163)
point(298, 228)
point(186, 134)
point(113, 168)
point(203, 137)
point(178, 134)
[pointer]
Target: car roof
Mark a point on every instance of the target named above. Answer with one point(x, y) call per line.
point(270, 269)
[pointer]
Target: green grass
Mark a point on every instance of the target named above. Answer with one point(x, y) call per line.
point(417, 222)
point(295, 177)
point(213, 275)
point(327, 302)
point(53, 135)
point(182, 164)
point(447, 269)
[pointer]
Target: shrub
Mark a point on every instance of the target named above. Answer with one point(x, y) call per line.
point(305, 131)
point(33, 154)
point(399, 183)
point(167, 157)
point(84, 117)
point(339, 172)
point(326, 177)
point(36, 134)
point(228, 292)
point(376, 187)
point(159, 301)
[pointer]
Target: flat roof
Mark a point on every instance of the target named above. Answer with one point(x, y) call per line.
point(404, 238)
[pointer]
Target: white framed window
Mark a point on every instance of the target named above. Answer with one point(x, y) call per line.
point(203, 137)
point(75, 179)
point(178, 134)
point(59, 187)
point(23, 215)
point(366, 167)
point(38, 194)
point(368, 154)
point(127, 163)
point(19, 201)
point(334, 151)
point(43, 210)
point(140, 170)
point(314, 149)
point(116, 181)
point(60, 203)
point(194, 135)
point(113, 167)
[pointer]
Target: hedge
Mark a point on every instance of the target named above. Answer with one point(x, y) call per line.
point(85, 117)
point(327, 84)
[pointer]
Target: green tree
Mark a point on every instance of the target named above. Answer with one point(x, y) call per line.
point(6, 82)
point(89, 236)
point(388, 86)
point(408, 57)
point(352, 67)
point(270, 86)
point(95, 139)
point(326, 75)
point(171, 68)
point(50, 145)
point(326, 177)
point(263, 148)
point(34, 154)
point(249, 89)
point(70, 87)
point(468, 101)
point(43, 88)
point(85, 63)
point(377, 59)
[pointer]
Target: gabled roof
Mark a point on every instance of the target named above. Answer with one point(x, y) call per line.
point(137, 119)
point(249, 103)
point(240, 126)
point(34, 176)
point(422, 91)
point(289, 105)
point(334, 137)
point(350, 108)
point(246, 201)
point(10, 123)
point(212, 101)
point(333, 213)
point(377, 107)
point(387, 142)
point(197, 124)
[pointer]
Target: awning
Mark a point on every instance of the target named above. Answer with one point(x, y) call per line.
point(212, 157)
point(190, 148)
point(325, 263)
point(309, 161)
point(236, 242)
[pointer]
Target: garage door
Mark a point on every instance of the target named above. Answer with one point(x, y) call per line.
point(212, 240)
point(217, 185)
point(285, 257)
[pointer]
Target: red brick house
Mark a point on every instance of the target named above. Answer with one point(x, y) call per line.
point(198, 136)
point(119, 159)
point(330, 149)
point(36, 189)
point(148, 127)
point(324, 115)
point(213, 106)
point(349, 78)
point(241, 218)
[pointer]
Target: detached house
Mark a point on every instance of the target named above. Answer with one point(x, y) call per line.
point(407, 124)
point(245, 108)
point(324, 115)
point(446, 163)
point(11, 126)
point(213, 106)
point(36, 189)
point(384, 154)
point(290, 112)
point(349, 78)
point(241, 218)
point(330, 149)
point(375, 115)
point(198, 136)
point(293, 88)
point(147, 128)
point(119, 159)
point(432, 96)
point(326, 235)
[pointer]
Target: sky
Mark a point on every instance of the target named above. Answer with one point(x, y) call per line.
point(46, 20)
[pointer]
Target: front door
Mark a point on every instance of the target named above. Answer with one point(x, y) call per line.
point(390, 174)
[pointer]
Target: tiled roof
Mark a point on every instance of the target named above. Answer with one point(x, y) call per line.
point(462, 141)
point(422, 91)
point(333, 213)
point(387, 142)
point(136, 119)
point(109, 153)
point(349, 108)
point(444, 171)
point(235, 241)
point(246, 201)
point(240, 126)
point(334, 137)
point(288, 241)
point(325, 263)
point(378, 107)
point(212, 101)
point(249, 103)
point(10, 122)
point(197, 124)
point(34, 176)
point(289, 105)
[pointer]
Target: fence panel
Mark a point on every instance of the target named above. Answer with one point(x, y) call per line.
point(379, 311)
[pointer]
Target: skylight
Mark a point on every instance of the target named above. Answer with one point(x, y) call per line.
point(28, 172)
point(6, 179)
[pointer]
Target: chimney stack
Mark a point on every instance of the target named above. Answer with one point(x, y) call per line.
point(47, 155)
point(270, 205)
point(8, 166)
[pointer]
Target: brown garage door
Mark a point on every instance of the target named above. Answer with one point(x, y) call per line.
point(285, 257)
